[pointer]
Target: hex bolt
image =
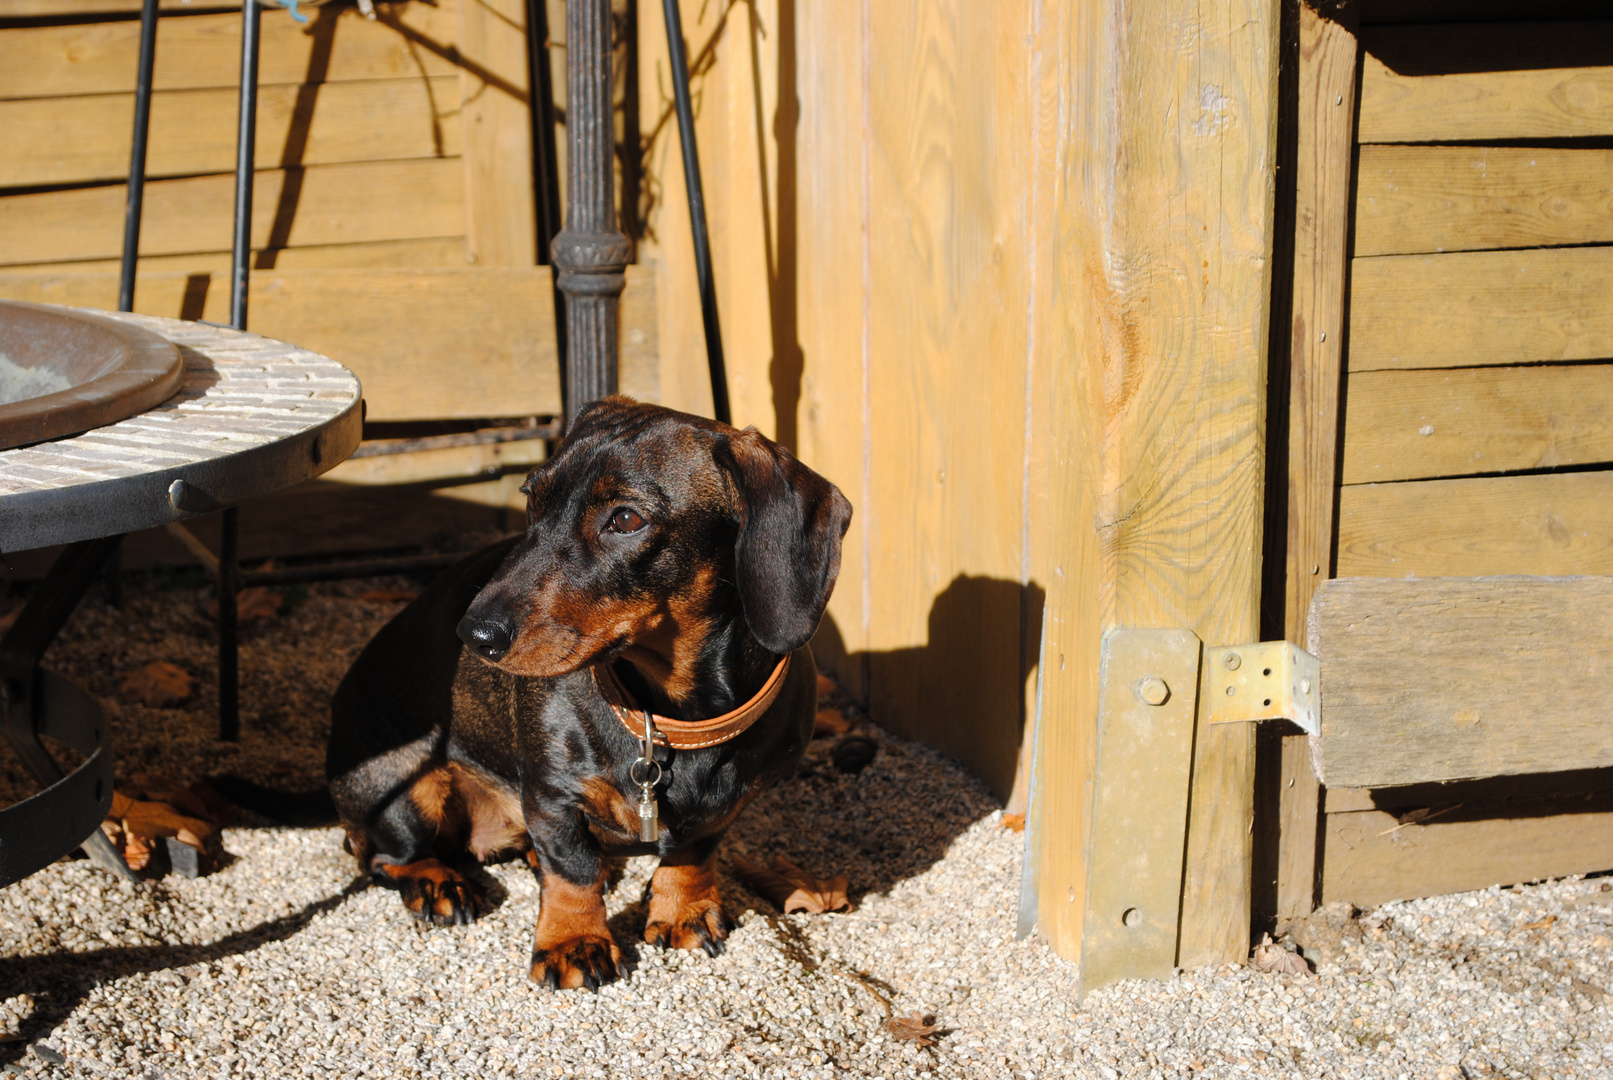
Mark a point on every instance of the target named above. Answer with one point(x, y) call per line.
point(1153, 691)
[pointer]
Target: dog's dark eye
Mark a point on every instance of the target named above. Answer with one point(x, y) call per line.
point(626, 520)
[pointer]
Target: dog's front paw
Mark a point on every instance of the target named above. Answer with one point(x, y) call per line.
point(435, 892)
point(702, 924)
point(586, 960)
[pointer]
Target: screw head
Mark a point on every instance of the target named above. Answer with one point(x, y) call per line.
point(1233, 661)
point(1153, 691)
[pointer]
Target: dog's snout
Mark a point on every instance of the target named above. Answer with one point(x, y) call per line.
point(489, 636)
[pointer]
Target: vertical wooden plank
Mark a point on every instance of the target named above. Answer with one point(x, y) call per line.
point(1326, 135)
point(950, 122)
point(497, 133)
point(1169, 210)
point(829, 164)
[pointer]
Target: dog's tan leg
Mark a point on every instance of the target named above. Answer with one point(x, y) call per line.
point(685, 908)
point(573, 946)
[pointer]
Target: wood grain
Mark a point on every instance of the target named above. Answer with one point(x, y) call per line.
point(500, 215)
point(361, 203)
point(487, 460)
point(1487, 81)
point(204, 51)
point(1370, 861)
point(1409, 425)
point(393, 328)
point(1544, 524)
point(1471, 308)
point(1456, 678)
point(392, 254)
point(194, 131)
point(1326, 143)
point(1459, 198)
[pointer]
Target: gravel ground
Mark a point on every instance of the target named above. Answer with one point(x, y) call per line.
point(282, 964)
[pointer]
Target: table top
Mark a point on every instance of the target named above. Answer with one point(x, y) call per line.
point(254, 416)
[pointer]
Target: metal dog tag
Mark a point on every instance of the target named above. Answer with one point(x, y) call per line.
point(649, 818)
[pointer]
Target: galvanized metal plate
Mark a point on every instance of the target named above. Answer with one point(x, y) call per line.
point(1272, 680)
point(1148, 699)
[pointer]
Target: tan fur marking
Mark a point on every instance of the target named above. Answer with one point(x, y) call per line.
point(610, 816)
point(433, 795)
point(572, 937)
point(685, 906)
point(497, 823)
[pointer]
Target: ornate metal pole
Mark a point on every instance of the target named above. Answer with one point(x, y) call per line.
point(590, 252)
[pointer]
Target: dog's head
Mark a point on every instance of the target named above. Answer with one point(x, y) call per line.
point(645, 528)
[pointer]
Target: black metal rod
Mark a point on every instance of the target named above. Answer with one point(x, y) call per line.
point(229, 676)
point(679, 56)
point(245, 147)
point(545, 156)
point(137, 154)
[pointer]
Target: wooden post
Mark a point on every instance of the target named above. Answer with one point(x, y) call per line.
point(1326, 136)
point(1164, 216)
point(591, 252)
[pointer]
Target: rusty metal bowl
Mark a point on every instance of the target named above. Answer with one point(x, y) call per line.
point(111, 371)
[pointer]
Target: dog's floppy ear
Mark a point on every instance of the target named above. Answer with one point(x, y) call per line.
point(790, 524)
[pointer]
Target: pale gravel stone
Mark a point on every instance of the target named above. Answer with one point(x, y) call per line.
point(279, 965)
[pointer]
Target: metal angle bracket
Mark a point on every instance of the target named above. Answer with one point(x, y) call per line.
point(1269, 680)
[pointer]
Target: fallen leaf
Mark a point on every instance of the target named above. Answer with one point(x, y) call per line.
point(11, 616)
point(389, 596)
point(158, 685)
point(793, 889)
point(1014, 822)
point(1271, 957)
point(826, 685)
point(830, 722)
point(137, 827)
point(1541, 925)
point(915, 1027)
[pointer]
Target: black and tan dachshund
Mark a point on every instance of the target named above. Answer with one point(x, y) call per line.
point(670, 565)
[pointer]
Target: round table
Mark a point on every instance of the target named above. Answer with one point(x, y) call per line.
point(252, 417)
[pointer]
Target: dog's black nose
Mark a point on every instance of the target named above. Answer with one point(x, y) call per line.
point(488, 635)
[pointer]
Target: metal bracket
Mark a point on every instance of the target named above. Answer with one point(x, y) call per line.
point(1270, 680)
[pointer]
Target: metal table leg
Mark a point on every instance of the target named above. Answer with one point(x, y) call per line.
point(68, 813)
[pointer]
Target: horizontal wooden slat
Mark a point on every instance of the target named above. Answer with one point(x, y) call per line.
point(1454, 678)
point(392, 200)
point(394, 254)
point(204, 51)
point(427, 344)
point(1370, 861)
point(194, 131)
point(1468, 198)
point(1410, 425)
point(1484, 307)
point(63, 9)
point(1544, 524)
point(1486, 81)
point(486, 460)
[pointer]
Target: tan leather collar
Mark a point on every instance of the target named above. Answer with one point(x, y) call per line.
point(688, 734)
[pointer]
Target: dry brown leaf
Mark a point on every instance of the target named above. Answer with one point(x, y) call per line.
point(389, 596)
point(826, 685)
point(793, 889)
point(830, 722)
point(1270, 957)
point(1541, 925)
point(915, 1027)
point(257, 604)
point(1014, 822)
point(158, 685)
point(136, 826)
point(11, 616)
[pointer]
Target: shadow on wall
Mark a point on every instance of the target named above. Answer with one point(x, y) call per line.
point(968, 689)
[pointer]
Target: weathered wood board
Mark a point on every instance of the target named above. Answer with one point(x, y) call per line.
point(1487, 81)
point(389, 254)
point(194, 131)
point(1410, 425)
point(1371, 859)
point(1454, 678)
point(1325, 148)
point(1413, 199)
point(1539, 524)
point(326, 204)
point(410, 40)
point(1484, 307)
